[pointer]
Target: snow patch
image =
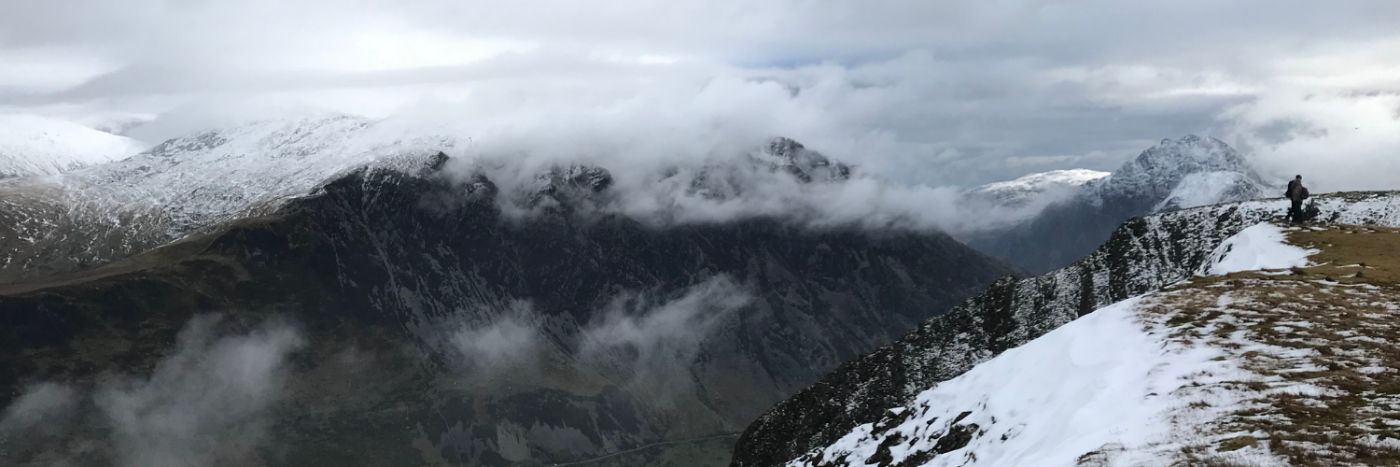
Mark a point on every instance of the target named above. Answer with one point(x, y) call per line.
point(1103, 383)
point(1258, 247)
point(1204, 189)
point(1045, 180)
point(33, 146)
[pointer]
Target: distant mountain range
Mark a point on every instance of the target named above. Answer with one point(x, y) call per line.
point(1188, 172)
point(490, 313)
point(306, 292)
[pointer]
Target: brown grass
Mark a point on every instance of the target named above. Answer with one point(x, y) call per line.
point(1340, 338)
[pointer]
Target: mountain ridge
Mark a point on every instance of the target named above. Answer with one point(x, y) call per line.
point(1143, 254)
point(406, 271)
point(1273, 354)
point(37, 146)
point(1163, 177)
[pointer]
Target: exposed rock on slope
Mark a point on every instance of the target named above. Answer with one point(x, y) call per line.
point(436, 327)
point(1142, 255)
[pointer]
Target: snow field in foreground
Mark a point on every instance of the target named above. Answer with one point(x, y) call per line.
point(1256, 248)
point(1105, 382)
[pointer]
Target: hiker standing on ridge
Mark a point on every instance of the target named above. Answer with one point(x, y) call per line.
point(1296, 194)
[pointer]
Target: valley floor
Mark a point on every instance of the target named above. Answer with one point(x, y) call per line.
point(1281, 352)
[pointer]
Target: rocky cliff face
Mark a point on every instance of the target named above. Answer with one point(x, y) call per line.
point(1188, 172)
point(428, 326)
point(1143, 254)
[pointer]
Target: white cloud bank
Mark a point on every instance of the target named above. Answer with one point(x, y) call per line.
point(207, 402)
point(934, 93)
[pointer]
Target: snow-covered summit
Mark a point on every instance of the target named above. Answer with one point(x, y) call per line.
point(1159, 172)
point(33, 145)
point(107, 211)
point(1055, 183)
point(212, 175)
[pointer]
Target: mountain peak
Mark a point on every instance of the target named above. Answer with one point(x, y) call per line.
point(34, 145)
point(805, 164)
point(1055, 184)
point(1157, 171)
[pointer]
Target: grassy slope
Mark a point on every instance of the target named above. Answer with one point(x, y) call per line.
point(1320, 345)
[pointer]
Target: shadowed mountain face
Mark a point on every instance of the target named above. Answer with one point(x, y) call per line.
point(402, 320)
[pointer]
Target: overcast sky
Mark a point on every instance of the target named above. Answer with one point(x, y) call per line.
point(930, 91)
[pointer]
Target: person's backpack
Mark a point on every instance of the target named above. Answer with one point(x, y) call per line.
point(1304, 194)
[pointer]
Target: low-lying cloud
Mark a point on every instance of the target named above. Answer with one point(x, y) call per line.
point(510, 346)
point(653, 345)
point(641, 341)
point(696, 185)
point(208, 402)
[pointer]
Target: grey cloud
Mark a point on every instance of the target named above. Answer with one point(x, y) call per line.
point(934, 93)
point(641, 341)
point(1337, 141)
point(206, 402)
point(653, 345)
point(511, 346)
point(1281, 131)
point(36, 407)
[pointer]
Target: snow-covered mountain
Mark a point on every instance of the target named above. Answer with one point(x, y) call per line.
point(108, 211)
point(437, 327)
point(846, 419)
point(1054, 185)
point(1212, 187)
point(1160, 171)
point(1189, 172)
point(32, 145)
point(105, 212)
point(1174, 174)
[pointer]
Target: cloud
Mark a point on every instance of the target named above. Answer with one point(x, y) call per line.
point(643, 342)
point(937, 94)
point(652, 346)
point(207, 402)
point(511, 346)
point(36, 408)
